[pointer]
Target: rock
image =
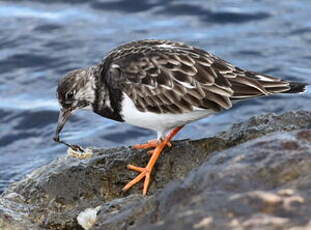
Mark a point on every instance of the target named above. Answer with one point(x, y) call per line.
point(253, 176)
point(262, 184)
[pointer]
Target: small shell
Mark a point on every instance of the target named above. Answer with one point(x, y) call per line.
point(87, 218)
point(75, 154)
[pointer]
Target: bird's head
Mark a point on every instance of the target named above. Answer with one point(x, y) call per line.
point(76, 90)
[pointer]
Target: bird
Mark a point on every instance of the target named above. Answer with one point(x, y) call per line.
point(161, 85)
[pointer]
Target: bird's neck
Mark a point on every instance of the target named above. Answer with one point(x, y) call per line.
point(107, 100)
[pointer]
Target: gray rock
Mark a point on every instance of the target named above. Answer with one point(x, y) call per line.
point(244, 178)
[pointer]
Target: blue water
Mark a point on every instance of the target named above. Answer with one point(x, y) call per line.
point(40, 42)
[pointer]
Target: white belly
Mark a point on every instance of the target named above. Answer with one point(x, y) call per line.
point(158, 122)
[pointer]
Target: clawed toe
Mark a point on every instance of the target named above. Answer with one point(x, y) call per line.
point(148, 145)
point(135, 168)
point(144, 173)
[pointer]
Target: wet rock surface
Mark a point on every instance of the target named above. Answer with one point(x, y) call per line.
point(256, 175)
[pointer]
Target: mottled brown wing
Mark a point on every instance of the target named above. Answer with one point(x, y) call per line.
point(176, 78)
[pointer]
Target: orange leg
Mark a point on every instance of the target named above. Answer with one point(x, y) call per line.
point(146, 172)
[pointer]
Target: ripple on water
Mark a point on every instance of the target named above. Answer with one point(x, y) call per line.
point(235, 17)
point(127, 6)
point(212, 16)
point(42, 40)
point(36, 120)
point(25, 60)
point(46, 28)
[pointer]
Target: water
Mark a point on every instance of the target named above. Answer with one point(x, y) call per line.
point(40, 42)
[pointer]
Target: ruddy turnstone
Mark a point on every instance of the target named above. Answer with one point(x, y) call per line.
point(161, 85)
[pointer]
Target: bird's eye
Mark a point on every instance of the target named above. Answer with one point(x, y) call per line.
point(69, 96)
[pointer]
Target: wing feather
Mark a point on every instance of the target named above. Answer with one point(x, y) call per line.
point(170, 77)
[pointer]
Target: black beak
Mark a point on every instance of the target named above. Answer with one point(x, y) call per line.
point(64, 114)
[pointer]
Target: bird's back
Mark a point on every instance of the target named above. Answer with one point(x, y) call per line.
point(162, 76)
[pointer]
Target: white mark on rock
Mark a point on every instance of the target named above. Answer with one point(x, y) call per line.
point(204, 223)
point(87, 218)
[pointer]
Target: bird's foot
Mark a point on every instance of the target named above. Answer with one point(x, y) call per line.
point(146, 172)
point(155, 154)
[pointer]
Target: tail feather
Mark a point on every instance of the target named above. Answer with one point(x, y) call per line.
point(297, 87)
point(255, 84)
